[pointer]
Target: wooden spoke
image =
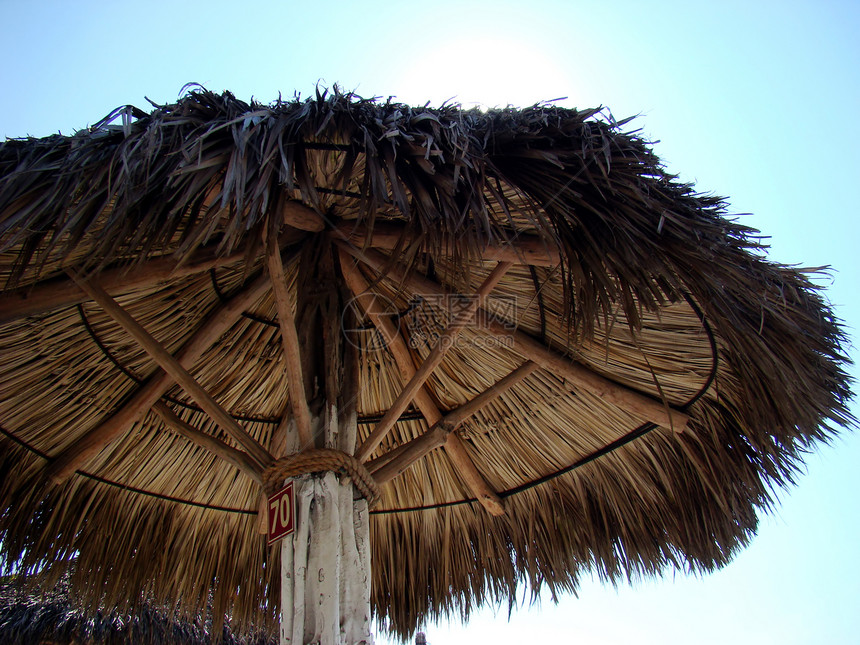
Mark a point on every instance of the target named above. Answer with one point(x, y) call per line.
point(304, 218)
point(62, 291)
point(455, 417)
point(169, 364)
point(526, 249)
point(231, 455)
point(289, 340)
point(454, 448)
point(85, 448)
point(580, 375)
point(410, 452)
point(445, 342)
point(466, 468)
point(618, 395)
point(373, 465)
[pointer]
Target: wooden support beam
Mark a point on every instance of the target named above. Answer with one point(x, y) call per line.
point(289, 341)
point(169, 364)
point(525, 249)
point(465, 467)
point(455, 417)
point(412, 451)
point(454, 448)
point(225, 316)
point(62, 291)
point(394, 342)
point(376, 463)
point(582, 377)
point(304, 218)
point(434, 358)
point(231, 455)
point(409, 453)
point(625, 398)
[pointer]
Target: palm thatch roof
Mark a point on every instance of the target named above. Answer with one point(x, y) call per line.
point(50, 617)
point(663, 377)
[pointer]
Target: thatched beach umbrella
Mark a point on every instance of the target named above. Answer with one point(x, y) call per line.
point(488, 348)
point(50, 617)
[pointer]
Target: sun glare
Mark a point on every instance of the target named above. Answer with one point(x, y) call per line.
point(483, 72)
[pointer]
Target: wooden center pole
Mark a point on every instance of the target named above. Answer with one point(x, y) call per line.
point(325, 564)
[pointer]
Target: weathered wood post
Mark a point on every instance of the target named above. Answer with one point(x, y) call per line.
point(325, 564)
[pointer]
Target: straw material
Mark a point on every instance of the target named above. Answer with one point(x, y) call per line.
point(656, 291)
point(50, 617)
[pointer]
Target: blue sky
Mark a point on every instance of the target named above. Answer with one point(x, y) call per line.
point(753, 102)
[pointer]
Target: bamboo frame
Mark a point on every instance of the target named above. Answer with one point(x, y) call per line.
point(525, 249)
point(289, 340)
point(91, 443)
point(174, 368)
point(304, 218)
point(62, 291)
point(455, 417)
point(410, 452)
point(445, 342)
point(454, 448)
point(621, 397)
point(581, 376)
point(373, 465)
point(228, 453)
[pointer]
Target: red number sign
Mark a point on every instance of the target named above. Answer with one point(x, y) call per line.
point(282, 513)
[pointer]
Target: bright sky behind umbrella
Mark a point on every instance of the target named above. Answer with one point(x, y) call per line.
point(751, 100)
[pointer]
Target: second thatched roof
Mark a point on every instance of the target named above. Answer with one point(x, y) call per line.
point(30, 615)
